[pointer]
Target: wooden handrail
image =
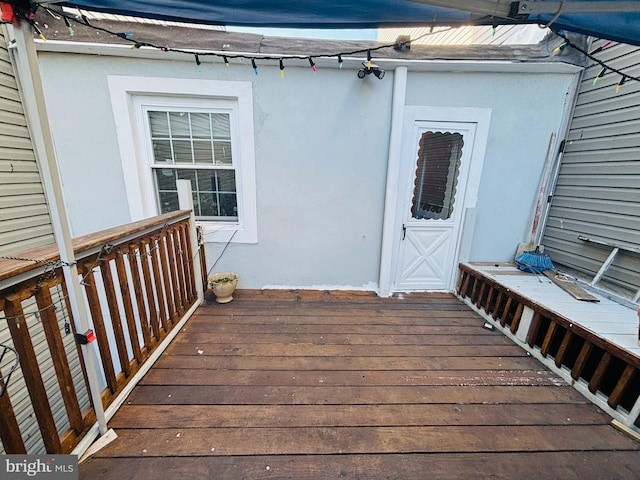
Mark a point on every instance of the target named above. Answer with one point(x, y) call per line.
point(22, 262)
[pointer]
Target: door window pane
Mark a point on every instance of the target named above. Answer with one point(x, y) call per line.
point(436, 179)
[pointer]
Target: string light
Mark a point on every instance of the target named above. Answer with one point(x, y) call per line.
point(255, 67)
point(198, 62)
point(600, 75)
point(281, 68)
point(82, 19)
point(35, 27)
point(68, 25)
point(313, 65)
point(605, 68)
point(601, 48)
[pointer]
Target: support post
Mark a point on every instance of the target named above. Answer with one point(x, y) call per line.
point(24, 57)
point(185, 202)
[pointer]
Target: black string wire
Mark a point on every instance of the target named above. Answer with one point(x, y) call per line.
point(595, 59)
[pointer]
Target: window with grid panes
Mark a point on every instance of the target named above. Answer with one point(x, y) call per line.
point(196, 146)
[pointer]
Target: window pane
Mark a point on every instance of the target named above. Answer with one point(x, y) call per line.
point(182, 151)
point(165, 178)
point(162, 151)
point(168, 201)
point(202, 152)
point(179, 124)
point(222, 152)
point(206, 181)
point(221, 128)
point(159, 124)
point(226, 180)
point(436, 178)
point(200, 126)
point(228, 205)
point(208, 205)
point(187, 174)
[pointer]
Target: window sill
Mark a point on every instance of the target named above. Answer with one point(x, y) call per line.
point(216, 232)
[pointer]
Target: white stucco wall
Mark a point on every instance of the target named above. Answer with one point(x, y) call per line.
point(321, 147)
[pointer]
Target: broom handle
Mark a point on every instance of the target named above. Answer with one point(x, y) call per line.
point(552, 191)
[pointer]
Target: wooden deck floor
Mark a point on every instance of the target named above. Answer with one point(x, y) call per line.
point(315, 385)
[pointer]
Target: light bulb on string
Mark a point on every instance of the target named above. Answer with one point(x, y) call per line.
point(68, 25)
point(255, 67)
point(198, 62)
point(602, 47)
point(313, 65)
point(340, 61)
point(600, 75)
point(226, 61)
point(281, 69)
point(620, 83)
point(369, 59)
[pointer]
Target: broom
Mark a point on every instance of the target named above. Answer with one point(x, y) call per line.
point(534, 262)
point(529, 257)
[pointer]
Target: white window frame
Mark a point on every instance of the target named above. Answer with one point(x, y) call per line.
point(131, 96)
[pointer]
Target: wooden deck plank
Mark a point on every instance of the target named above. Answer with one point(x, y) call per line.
point(229, 362)
point(323, 350)
point(366, 395)
point(444, 466)
point(315, 385)
point(378, 439)
point(343, 339)
point(261, 416)
point(347, 378)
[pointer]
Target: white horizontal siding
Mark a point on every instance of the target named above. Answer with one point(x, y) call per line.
point(598, 194)
point(24, 215)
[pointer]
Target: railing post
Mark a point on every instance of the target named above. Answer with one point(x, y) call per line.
point(25, 60)
point(185, 202)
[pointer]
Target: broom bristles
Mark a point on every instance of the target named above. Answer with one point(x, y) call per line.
point(534, 262)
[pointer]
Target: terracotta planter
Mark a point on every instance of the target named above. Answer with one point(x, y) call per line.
point(223, 285)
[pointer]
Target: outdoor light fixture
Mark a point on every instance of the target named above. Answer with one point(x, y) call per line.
point(369, 68)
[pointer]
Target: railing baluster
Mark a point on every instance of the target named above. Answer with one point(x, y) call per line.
point(172, 251)
point(145, 258)
point(621, 386)
point(59, 358)
point(183, 266)
point(581, 361)
point(599, 374)
point(123, 282)
point(154, 252)
point(564, 346)
point(533, 328)
point(98, 325)
point(31, 372)
point(187, 260)
point(114, 311)
point(515, 321)
point(9, 429)
point(166, 276)
point(505, 311)
point(139, 295)
point(548, 338)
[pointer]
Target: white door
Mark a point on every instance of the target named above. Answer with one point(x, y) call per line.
point(435, 166)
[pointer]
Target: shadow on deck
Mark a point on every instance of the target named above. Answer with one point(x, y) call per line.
point(348, 385)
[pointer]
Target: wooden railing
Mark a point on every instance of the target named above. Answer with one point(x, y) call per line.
point(138, 279)
point(602, 371)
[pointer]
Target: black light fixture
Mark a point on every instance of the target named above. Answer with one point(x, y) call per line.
point(369, 68)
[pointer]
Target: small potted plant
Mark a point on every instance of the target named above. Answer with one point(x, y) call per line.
point(223, 285)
